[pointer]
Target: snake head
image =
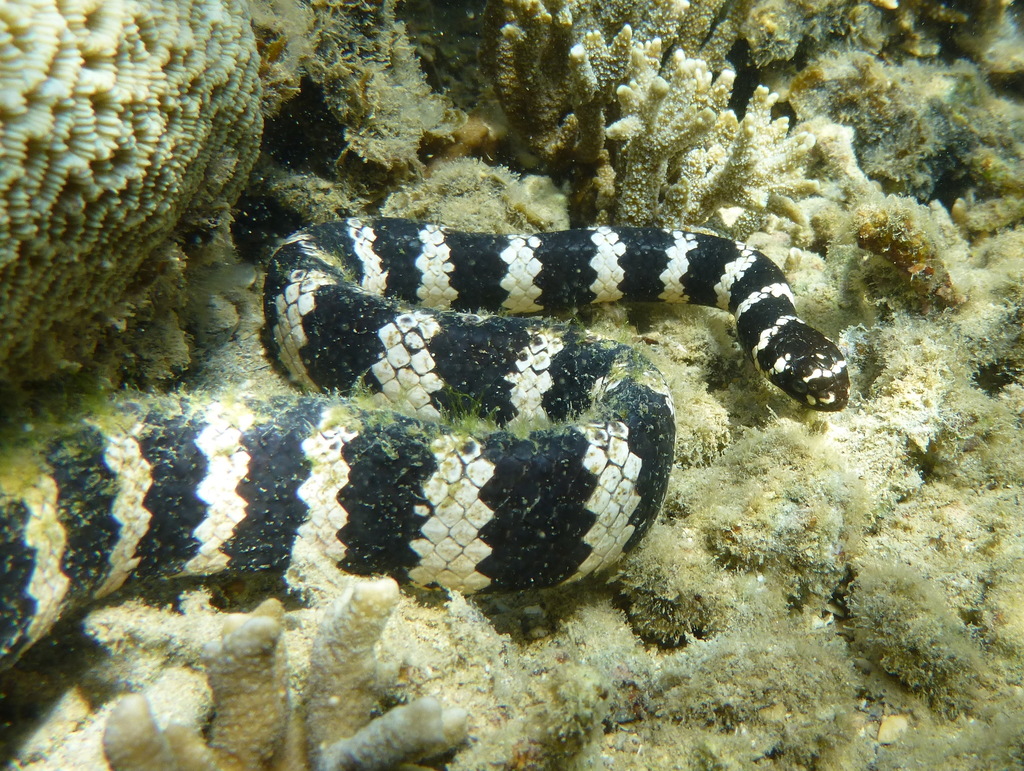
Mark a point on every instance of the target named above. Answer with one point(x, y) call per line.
point(817, 378)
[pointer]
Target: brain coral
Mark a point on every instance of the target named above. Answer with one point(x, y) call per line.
point(117, 118)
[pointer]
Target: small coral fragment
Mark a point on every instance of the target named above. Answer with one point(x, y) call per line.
point(343, 662)
point(133, 742)
point(415, 730)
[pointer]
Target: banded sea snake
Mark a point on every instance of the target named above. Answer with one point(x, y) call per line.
point(180, 487)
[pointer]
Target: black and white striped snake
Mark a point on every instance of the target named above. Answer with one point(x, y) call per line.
point(570, 473)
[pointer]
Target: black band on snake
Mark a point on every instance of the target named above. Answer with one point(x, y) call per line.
point(569, 475)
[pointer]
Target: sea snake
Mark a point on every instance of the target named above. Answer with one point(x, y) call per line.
point(516, 452)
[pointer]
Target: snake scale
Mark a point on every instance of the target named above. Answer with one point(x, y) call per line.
point(568, 473)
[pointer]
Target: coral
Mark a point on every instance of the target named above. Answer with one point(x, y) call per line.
point(651, 126)
point(562, 111)
point(634, 118)
point(118, 122)
point(685, 157)
point(374, 87)
point(810, 582)
point(469, 195)
point(246, 673)
point(253, 724)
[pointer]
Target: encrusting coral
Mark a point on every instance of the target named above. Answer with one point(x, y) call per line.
point(374, 83)
point(778, 30)
point(900, 233)
point(118, 121)
point(255, 724)
point(353, 115)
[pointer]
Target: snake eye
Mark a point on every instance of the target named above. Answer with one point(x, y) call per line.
point(798, 387)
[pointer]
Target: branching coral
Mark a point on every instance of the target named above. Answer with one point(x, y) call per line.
point(653, 125)
point(561, 110)
point(686, 156)
point(254, 725)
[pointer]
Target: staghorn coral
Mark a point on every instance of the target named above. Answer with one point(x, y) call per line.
point(118, 122)
point(562, 113)
point(632, 113)
point(253, 725)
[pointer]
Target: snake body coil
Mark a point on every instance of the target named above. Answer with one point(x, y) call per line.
point(572, 476)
